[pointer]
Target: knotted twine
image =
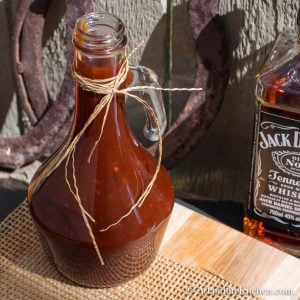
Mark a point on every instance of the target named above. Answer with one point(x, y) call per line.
point(106, 88)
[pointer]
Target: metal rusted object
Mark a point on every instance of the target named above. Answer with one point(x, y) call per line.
point(27, 44)
point(52, 127)
point(50, 124)
point(212, 74)
point(30, 59)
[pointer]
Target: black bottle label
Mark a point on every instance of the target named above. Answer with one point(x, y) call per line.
point(276, 185)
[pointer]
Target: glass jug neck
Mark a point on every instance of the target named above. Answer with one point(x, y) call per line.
point(99, 42)
point(99, 33)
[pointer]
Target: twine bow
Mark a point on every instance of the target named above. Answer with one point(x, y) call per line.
point(107, 88)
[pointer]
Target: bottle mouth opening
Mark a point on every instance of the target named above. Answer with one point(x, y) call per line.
point(102, 32)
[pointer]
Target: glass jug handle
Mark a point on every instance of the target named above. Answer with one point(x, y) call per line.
point(144, 76)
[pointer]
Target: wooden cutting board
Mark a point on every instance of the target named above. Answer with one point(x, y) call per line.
point(200, 242)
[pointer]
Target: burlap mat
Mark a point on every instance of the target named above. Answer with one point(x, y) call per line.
point(27, 272)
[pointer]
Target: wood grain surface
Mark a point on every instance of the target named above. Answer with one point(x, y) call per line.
point(199, 242)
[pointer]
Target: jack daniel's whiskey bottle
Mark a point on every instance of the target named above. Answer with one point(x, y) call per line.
point(273, 210)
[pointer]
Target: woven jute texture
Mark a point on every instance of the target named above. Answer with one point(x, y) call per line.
point(28, 272)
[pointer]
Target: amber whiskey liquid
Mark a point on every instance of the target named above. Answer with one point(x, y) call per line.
point(273, 209)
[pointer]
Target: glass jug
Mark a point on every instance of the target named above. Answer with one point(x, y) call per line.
point(111, 182)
